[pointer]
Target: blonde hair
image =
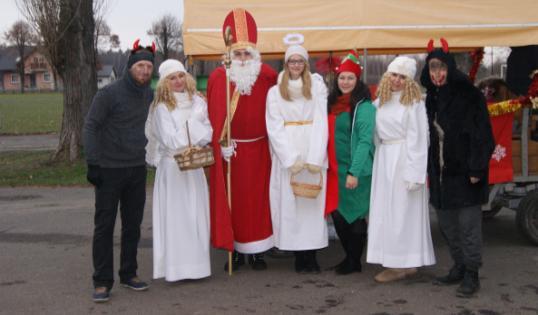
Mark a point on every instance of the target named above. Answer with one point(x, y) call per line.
point(410, 94)
point(307, 82)
point(163, 93)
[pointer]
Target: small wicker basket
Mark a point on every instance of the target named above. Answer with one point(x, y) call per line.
point(306, 190)
point(194, 157)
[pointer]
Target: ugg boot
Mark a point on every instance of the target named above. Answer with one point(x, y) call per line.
point(394, 274)
point(455, 275)
point(470, 284)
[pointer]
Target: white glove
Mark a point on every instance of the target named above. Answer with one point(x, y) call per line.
point(228, 151)
point(297, 167)
point(412, 186)
point(313, 169)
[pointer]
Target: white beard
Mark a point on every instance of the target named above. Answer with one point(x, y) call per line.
point(245, 74)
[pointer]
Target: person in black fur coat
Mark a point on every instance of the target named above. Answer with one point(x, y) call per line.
point(461, 144)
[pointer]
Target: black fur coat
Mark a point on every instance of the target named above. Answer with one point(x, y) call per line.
point(460, 110)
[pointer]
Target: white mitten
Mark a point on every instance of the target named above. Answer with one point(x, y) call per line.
point(228, 151)
point(412, 186)
point(297, 167)
point(314, 169)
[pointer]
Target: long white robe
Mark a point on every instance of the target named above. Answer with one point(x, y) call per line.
point(298, 222)
point(399, 224)
point(180, 198)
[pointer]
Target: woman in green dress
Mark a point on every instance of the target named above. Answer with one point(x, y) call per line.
point(351, 150)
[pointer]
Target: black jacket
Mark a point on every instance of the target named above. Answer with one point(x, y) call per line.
point(461, 112)
point(114, 127)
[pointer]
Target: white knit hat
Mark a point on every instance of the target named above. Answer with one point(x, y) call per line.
point(296, 50)
point(403, 65)
point(170, 66)
point(294, 42)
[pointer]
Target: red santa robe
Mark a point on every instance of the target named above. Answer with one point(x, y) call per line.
point(247, 227)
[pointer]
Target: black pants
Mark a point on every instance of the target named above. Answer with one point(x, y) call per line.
point(462, 230)
point(352, 236)
point(126, 186)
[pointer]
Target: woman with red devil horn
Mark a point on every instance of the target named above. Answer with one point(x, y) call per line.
point(461, 143)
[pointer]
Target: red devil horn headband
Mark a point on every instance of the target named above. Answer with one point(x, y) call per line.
point(430, 45)
point(444, 45)
point(135, 45)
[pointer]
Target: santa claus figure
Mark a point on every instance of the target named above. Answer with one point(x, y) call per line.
point(246, 227)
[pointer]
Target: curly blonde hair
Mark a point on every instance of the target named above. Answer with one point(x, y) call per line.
point(163, 93)
point(411, 92)
point(307, 82)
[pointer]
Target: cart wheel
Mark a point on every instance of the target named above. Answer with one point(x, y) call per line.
point(527, 216)
point(495, 208)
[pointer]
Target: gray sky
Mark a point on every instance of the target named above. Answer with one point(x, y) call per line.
point(130, 19)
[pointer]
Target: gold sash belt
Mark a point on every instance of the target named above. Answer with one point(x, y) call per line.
point(298, 123)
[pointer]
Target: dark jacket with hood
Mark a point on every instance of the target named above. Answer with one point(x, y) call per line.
point(460, 110)
point(114, 127)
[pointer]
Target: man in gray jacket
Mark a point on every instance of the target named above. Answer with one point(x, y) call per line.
point(114, 144)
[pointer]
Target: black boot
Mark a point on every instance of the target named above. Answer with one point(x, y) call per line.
point(354, 248)
point(470, 284)
point(455, 275)
point(345, 267)
point(311, 263)
point(257, 262)
point(238, 260)
point(300, 263)
point(352, 237)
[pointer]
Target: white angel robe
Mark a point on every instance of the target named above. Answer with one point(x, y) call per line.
point(399, 223)
point(180, 198)
point(297, 131)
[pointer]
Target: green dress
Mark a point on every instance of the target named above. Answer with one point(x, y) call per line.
point(354, 152)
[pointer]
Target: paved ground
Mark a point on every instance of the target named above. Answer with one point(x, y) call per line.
point(29, 142)
point(45, 267)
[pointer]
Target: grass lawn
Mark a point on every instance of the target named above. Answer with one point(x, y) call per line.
point(23, 168)
point(30, 113)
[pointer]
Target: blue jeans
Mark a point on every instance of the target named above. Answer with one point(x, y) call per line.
point(126, 187)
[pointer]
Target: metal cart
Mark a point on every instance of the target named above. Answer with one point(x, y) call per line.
point(520, 195)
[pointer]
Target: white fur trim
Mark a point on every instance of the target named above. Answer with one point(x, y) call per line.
point(403, 65)
point(255, 247)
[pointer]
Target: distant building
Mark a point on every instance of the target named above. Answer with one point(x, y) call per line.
point(106, 75)
point(38, 74)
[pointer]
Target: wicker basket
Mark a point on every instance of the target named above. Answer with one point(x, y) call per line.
point(194, 157)
point(306, 190)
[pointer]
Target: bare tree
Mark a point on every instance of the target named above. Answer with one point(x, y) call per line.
point(21, 36)
point(101, 35)
point(102, 29)
point(67, 30)
point(167, 33)
point(114, 41)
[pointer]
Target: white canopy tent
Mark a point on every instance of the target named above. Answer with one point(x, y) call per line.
point(381, 26)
